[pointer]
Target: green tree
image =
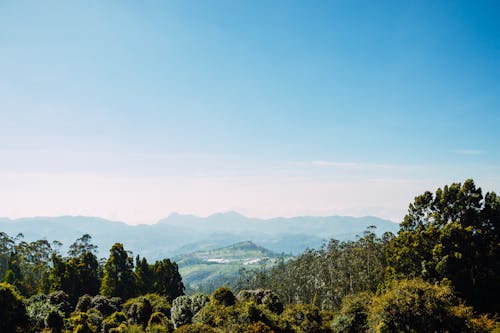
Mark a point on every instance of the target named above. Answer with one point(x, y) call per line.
point(6, 248)
point(323, 277)
point(167, 279)
point(12, 310)
point(82, 245)
point(144, 276)
point(76, 276)
point(452, 234)
point(118, 279)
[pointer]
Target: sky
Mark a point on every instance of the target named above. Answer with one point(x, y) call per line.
point(131, 110)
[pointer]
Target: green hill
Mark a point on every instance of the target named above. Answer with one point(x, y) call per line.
point(204, 270)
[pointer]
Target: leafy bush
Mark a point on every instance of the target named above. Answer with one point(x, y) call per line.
point(157, 328)
point(84, 303)
point(159, 319)
point(37, 310)
point(79, 323)
point(224, 296)
point(415, 306)
point(94, 319)
point(181, 311)
point(54, 321)
point(113, 321)
point(138, 310)
point(195, 328)
point(12, 309)
point(198, 301)
point(159, 303)
point(61, 301)
point(353, 314)
point(303, 318)
point(104, 305)
point(267, 298)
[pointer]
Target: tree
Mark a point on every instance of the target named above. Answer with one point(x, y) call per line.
point(6, 248)
point(167, 280)
point(452, 235)
point(144, 276)
point(76, 276)
point(324, 276)
point(12, 310)
point(118, 279)
point(81, 246)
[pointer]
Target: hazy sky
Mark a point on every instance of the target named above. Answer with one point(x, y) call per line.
point(131, 110)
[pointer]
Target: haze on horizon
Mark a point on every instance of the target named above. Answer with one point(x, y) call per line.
point(131, 110)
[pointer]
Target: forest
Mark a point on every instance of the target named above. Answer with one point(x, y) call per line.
point(439, 273)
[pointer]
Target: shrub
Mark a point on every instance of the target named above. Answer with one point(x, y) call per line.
point(267, 298)
point(224, 296)
point(353, 314)
point(159, 304)
point(79, 323)
point(198, 301)
point(54, 321)
point(113, 321)
point(157, 328)
point(181, 311)
point(12, 309)
point(195, 328)
point(37, 310)
point(138, 310)
point(104, 305)
point(94, 319)
point(415, 306)
point(84, 303)
point(303, 318)
point(61, 301)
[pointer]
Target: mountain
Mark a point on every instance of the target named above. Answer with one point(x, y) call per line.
point(205, 270)
point(178, 234)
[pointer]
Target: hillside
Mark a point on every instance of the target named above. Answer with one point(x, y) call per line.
point(207, 269)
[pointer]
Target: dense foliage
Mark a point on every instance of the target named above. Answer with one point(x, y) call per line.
point(452, 234)
point(440, 273)
point(325, 276)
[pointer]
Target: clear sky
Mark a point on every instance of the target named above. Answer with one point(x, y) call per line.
point(131, 110)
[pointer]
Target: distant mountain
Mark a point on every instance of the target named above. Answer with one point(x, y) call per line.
point(180, 234)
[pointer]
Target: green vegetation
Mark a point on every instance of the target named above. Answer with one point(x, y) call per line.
point(438, 274)
point(205, 271)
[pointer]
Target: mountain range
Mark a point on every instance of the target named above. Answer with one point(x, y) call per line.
point(181, 234)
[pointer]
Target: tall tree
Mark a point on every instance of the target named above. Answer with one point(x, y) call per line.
point(452, 234)
point(81, 246)
point(118, 279)
point(167, 280)
point(144, 276)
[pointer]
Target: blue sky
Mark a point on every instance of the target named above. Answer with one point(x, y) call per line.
point(131, 110)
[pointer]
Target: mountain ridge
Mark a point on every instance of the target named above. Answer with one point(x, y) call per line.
point(180, 233)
